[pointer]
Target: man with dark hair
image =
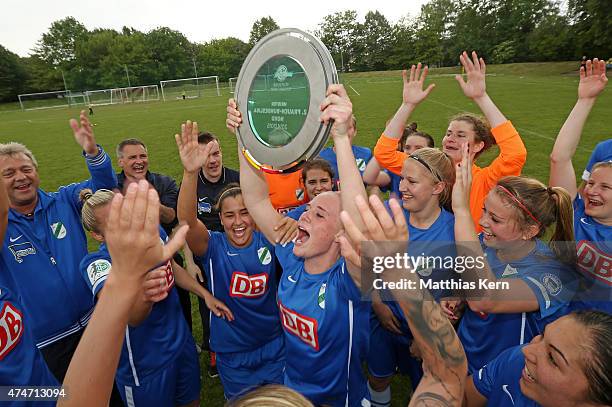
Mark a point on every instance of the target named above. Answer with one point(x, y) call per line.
point(133, 158)
point(212, 179)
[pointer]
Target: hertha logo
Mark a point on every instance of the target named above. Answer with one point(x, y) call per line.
point(11, 328)
point(594, 261)
point(246, 286)
point(303, 327)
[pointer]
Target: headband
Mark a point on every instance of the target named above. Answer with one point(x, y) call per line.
point(519, 203)
point(424, 164)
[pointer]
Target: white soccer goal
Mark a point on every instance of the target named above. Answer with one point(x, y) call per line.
point(232, 84)
point(122, 95)
point(50, 100)
point(190, 88)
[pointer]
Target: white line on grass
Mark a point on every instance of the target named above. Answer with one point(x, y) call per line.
point(350, 86)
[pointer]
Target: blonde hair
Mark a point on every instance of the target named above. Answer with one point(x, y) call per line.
point(270, 395)
point(12, 149)
point(542, 206)
point(441, 168)
point(92, 201)
point(601, 164)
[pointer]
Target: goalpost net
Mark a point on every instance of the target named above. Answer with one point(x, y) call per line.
point(131, 94)
point(190, 88)
point(50, 100)
point(232, 84)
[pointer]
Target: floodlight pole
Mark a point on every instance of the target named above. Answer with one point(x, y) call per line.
point(66, 88)
point(127, 73)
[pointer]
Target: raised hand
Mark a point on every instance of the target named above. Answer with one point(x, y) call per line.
point(475, 69)
point(463, 181)
point(337, 107)
point(593, 79)
point(380, 228)
point(83, 134)
point(234, 117)
point(193, 155)
point(413, 92)
point(132, 234)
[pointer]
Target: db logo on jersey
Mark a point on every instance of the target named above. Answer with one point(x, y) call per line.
point(11, 328)
point(595, 262)
point(303, 327)
point(244, 285)
point(169, 275)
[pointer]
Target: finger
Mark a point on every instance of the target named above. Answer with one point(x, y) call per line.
point(232, 103)
point(412, 69)
point(281, 223)
point(469, 65)
point(179, 142)
point(150, 214)
point(351, 229)
point(125, 219)
point(459, 79)
point(370, 221)
point(74, 125)
point(398, 216)
point(483, 66)
point(199, 274)
point(405, 76)
point(332, 99)
point(381, 214)
point(424, 74)
point(177, 241)
point(429, 89)
point(348, 251)
point(582, 73)
point(195, 132)
point(112, 223)
point(417, 72)
point(140, 206)
point(475, 61)
point(396, 325)
point(589, 68)
point(337, 89)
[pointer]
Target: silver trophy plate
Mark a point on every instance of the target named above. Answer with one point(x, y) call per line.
point(280, 87)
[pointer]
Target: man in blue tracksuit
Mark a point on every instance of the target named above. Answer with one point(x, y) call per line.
point(45, 242)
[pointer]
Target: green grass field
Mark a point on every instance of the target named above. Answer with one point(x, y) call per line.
point(536, 97)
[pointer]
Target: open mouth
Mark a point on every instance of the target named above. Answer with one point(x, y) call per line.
point(23, 187)
point(240, 231)
point(406, 197)
point(594, 202)
point(487, 235)
point(302, 236)
point(527, 375)
point(138, 168)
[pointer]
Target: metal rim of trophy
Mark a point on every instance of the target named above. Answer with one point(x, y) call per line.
point(320, 70)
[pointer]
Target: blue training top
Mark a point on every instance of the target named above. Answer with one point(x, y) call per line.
point(326, 331)
point(498, 381)
point(43, 251)
point(244, 279)
point(594, 258)
point(159, 339)
point(485, 336)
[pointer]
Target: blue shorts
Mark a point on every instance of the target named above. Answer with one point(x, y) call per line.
point(241, 371)
point(176, 384)
point(389, 351)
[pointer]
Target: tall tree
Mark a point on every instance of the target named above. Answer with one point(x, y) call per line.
point(261, 28)
point(222, 57)
point(433, 32)
point(592, 27)
point(403, 44)
point(12, 75)
point(374, 41)
point(58, 46)
point(339, 32)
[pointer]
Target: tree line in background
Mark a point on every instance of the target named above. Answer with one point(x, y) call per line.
point(503, 31)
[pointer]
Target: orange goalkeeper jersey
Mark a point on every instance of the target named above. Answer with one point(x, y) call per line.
point(286, 190)
point(510, 161)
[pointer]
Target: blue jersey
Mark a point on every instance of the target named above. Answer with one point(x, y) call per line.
point(244, 279)
point(485, 336)
point(158, 340)
point(21, 363)
point(362, 157)
point(326, 331)
point(594, 259)
point(498, 381)
point(295, 213)
point(601, 153)
point(43, 251)
point(437, 240)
